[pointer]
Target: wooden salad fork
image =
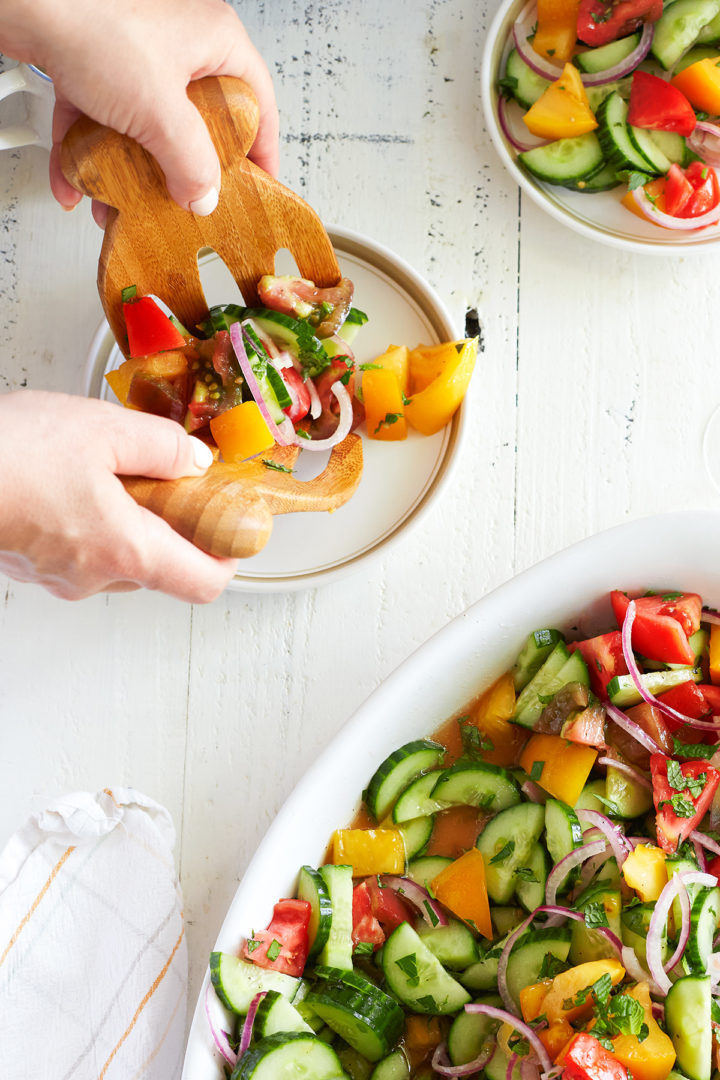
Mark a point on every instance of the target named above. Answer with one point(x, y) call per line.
point(152, 243)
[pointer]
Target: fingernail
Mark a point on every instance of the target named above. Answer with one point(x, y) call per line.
point(204, 206)
point(202, 454)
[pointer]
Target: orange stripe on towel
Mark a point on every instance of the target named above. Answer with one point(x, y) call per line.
point(23, 923)
point(142, 1005)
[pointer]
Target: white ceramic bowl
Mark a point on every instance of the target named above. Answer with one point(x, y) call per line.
point(596, 216)
point(400, 480)
point(567, 590)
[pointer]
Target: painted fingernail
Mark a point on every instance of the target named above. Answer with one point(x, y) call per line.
point(204, 206)
point(202, 454)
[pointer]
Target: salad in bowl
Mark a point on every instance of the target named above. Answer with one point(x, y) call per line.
point(529, 890)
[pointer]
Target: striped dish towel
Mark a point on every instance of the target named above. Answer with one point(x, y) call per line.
point(93, 962)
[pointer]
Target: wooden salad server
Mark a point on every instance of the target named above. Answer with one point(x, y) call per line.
point(152, 243)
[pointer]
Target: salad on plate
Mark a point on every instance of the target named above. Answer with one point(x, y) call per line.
point(601, 95)
point(531, 892)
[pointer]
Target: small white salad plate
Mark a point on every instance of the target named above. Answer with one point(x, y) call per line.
point(596, 216)
point(568, 591)
point(400, 479)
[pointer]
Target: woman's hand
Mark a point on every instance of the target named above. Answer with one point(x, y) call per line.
point(128, 66)
point(67, 522)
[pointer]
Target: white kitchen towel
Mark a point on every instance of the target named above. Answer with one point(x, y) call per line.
point(93, 961)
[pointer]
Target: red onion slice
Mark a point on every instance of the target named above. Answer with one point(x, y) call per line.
point(416, 895)
point(533, 793)
point(703, 725)
point(710, 615)
point(705, 142)
point(249, 1023)
point(315, 403)
point(510, 1066)
point(520, 1026)
point(591, 867)
point(659, 919)
point(705, 841)
point(667, 221)
point(636, 971)
point(561, 869)
point(344, 424)
point(633, 729)
point(219, 1036)
point(684, 934)
point(621, 847)
point(626, 66)
point(627, 769)
point(236, 336)
point(441, 1062)
point(522, 142)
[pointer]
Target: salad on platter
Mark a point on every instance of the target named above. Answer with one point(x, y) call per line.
point(532, 892)
point(282, 376)
point(597, 95)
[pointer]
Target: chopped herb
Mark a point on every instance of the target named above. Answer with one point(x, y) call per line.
point(320, 313)
point(252, 943)
point(519, 1045)
point(537, 770)
point(545, 699)
point(274, 949)
point(275, 465)
point(390, 418)
point(406, 400)
point(408, 966)
point(130, 292)
point(345, 377)
point(692, 750)
point(504, 852)
point(525, 873)
point(486, 801)
point(507, 86)
point(668, 596)
point(551, 966)
point(679, 782)
point(432, 915)
point(595, 915)
point(431, 891)
point(600, 990)
point(473, 741)
point(682, 806)
point(632, 178)
point(702, 116)
point(427, 1002)
point(612, 807)
point(551, 52)
point(363, 948)
point(356, 316)
point(303, 433)
point(371, 367)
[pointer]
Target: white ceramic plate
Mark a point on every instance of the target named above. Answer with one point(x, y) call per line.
point(399, 480)
point(600, 216)
point(568, 590)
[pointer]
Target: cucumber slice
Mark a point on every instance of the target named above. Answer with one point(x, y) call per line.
point(679, 27)
point(497, 1067)
point(679, 864)
point(426, 868)
point(296, 335)
point(355, 1065)
point(587, 944)
point(709, 34)
point(674, 147)
point(528, 706)
point(565, 161)
point(614, 136)
point(605, 180)
point(417, 978)
point(416, 800)
point(477, 783)
point(629, 798)
point(357, 1010)
point(703, 927)
point(274, 1014)
point(505, 919)
point(312, 887)
point(470, 1030)
point(527, 956)
point(530, 890)
point(634, 926)
point(563, 833)
point(337, 950)
point(416, 834)
point(587, 800)
point(237, 981)
point(394, 1067)
point(533, 654)
point(688, 1022)
point(528, 85)
point(288, 1056)
point(453, 945)
point(606, 56)
point(643, 141)
point(484, 974)
point(623, 692)
point(514, 832)
point(397, 771)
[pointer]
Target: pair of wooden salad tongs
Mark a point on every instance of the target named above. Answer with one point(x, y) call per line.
point(150, 242)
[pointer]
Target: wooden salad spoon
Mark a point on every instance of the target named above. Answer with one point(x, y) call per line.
point(152, 243)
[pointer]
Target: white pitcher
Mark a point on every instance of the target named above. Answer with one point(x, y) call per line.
point(40, 101)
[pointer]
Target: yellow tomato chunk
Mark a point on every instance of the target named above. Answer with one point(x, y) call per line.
point(369, 851)
point(396, 358)
point(700, 83)
point(645, 871)
point(715, 654)
point(461, 888)
point(491, 716)
point(384, 406)
point(559, 766)
point(562, 111)
point(567, 985)
point(431, 409)
point(241, 432)
point(556, 29)
point(654, 1057)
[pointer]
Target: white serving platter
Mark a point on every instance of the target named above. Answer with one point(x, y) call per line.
point(568, 590)
point(400, 480)
point(596, 216)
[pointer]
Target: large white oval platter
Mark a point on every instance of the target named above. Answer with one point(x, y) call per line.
point(399, 480)
point(567, 590)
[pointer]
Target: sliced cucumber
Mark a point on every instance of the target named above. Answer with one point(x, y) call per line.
point(563, 833)
point(357, 1010)
point(274, 1014)
point(605, 180)
point(634, 926)
point(499, 1064)
point(355, 1065)
point(505, 919)
point(469, 1031)
point(565, 161)
point(688, 1021)
point(426, 868)
point(588, 800)
point(511, 834)
point(527, 85)
point(587, 944)
point(337, 950)
point(649, 147)
point(312, 887)
point(416, 800)
point(528, 954)
point(476, 783)
point(454, 945)
point(606, 56)
point(416, 834)
point(614, 136)
point(703, 927)
point(237, 981)
point(394, 1067)
point(295, 334)
point(289, 1056)
point(417, 978)
point(484, 974)
point(629, 798)
point(674, 147)
point(530, 889)
point(528, 705)
point(622, 690)
point(679, 27)
point(533, 654)
point(397, 771)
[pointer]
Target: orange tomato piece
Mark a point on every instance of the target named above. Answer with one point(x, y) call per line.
point(461, 888)
point(396, 359)
point(166, 365)
point(562, 111)
point(491, 716)
point(384, 407)
point(430, 409)
point(241, 432)
point(426, 362)
point(556, 29)
point(532, 998)
point(565, 765)
point(700, 83)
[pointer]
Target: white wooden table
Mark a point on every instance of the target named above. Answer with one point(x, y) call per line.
point(598, 376)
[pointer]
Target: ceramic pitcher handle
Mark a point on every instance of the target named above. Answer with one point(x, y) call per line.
point(13, 136)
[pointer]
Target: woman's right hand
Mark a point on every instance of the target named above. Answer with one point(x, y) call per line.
point(67, 522)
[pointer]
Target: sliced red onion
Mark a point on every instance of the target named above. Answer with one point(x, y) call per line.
point(626, 66)
point(684, 934)
point(249, 1022)
point(441, 1062)
point(552, 1074)
point(529, 1070)
point(419, 897)
point(236, 336)
point(636, 971)
point(705, 841)
point(710, 615)
point(632, 729)
point(219, 1036)
point(658, 921)
point(510, 1066)
point(522, 1028)
point(344, 424)
point(627, 769)
point(614, 835)
point(699, 855)
point(526, 141)
point(705, 142)
point(315, 403)
point(270, 347)
point(533, 793)
point(667, 221)
point(688, 721)
point(591, 868)
point(658, 1010)
point(561, 869)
